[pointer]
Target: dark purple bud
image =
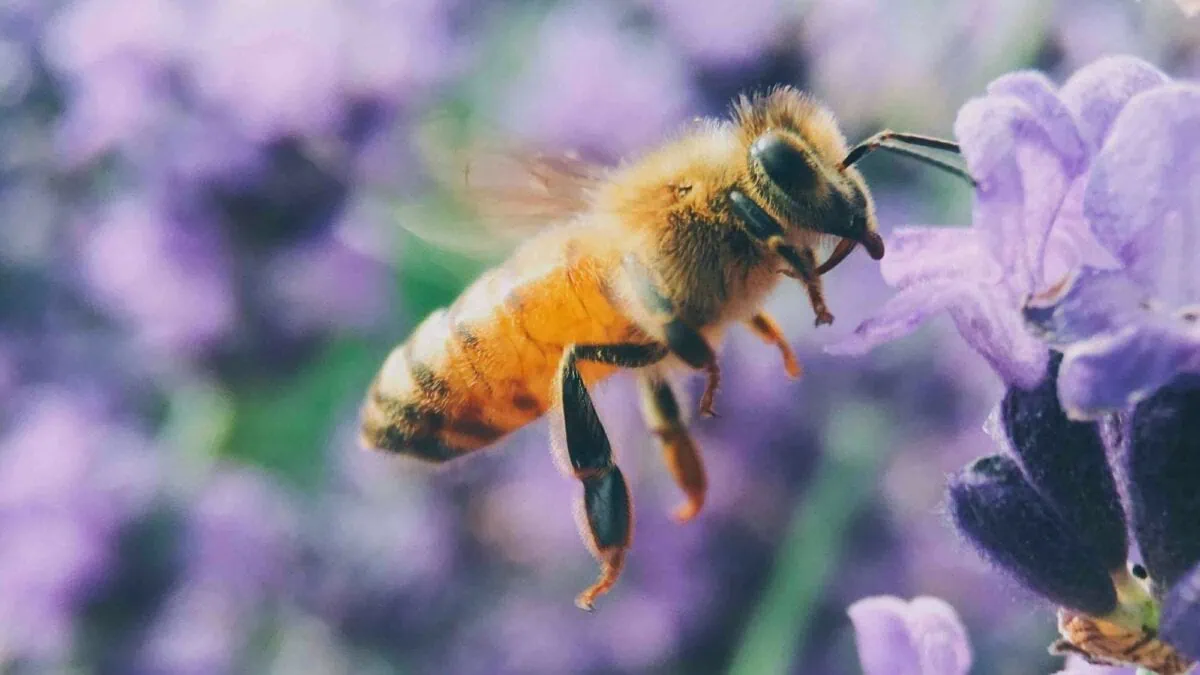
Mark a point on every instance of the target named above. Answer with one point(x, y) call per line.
point(1179, 624)
point(1164, 476)
point(1066, 463)
point(1012, 526)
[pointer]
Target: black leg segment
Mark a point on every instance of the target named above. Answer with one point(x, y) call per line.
point(605, 512)
point(682, 339)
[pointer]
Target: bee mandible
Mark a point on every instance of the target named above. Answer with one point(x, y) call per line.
point(641, 267)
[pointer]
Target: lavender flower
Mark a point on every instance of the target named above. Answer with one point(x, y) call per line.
point(1125, 332)
point(723, 33)
point(1055, 523)
point(240, 544)
point(324, 283)
point(1030, 149)
point(166, 278)
point(69, 480)
point(597, 86)
point(920, 637)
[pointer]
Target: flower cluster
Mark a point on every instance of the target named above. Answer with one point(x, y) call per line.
point(920, 637)
point(1048, 511)
point(1083, 238)
point(1078, 284)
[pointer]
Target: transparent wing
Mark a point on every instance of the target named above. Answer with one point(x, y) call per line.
point(494, 197)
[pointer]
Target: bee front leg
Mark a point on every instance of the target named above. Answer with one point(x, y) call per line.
point(765, 327)
point(803, 263)
point(605, 512)
point(661, 410)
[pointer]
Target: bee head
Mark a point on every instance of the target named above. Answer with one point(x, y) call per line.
point(794, 152)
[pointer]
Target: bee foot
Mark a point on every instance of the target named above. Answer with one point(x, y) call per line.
point(610, 570)
point(686, 512)
point(824, 318)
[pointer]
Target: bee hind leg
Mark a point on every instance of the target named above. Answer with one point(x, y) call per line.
point(765, 327)
point(605, 512)
point(661, 410)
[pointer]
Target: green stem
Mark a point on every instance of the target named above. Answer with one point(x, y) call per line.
point(845, 481)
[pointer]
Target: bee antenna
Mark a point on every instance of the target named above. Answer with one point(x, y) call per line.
point(898, 143)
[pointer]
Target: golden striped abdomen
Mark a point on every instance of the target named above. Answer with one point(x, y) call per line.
point(483, 367)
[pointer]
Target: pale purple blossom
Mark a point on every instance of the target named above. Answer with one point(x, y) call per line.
point(292, 67)
point(594, 85)
point(1030, 148)
point(923, 636)
point(70, 478)
point(1126, 332)
point(166, 278)
point(240, 543)
point(726, 32)
point(325, 283)
point(272, 65)
point(113, 59)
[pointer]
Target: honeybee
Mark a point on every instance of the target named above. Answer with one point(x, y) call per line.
point(642, 267)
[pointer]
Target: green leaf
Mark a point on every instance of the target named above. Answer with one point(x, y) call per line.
point(285, 428)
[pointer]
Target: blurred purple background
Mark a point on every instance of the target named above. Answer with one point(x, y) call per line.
point(203, 262)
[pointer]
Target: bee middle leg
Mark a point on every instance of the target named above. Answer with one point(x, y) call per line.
point(605, 512)
point(661, 410)
point(683, 340)
point(765, 327)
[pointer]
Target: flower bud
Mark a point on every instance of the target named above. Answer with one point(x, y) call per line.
point(1007, 520)
point(1164, 477)
point(1066, 463)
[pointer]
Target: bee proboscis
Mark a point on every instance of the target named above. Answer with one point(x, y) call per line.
point(642, 266)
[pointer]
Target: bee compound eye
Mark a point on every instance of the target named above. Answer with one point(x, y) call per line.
point(784, 163)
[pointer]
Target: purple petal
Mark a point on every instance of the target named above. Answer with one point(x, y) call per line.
point(1022, 178)
point(1036, 90)
point(595, 84)
point(1072, 244)
point(988, 321)
point(881, 631)
point(902, 314)
point(1097, 92)
point(1091, 303)
point(1181, 614)
point(719, 33)
point(923, 254)
point(1113, 371)
point(1141, 198)
point(939, 636)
